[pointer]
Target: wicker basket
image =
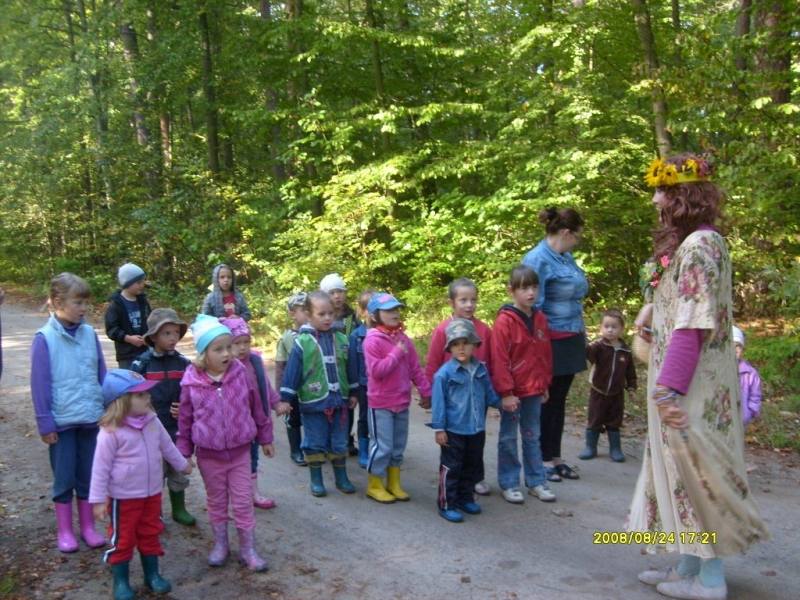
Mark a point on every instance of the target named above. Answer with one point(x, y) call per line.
point(641, 348)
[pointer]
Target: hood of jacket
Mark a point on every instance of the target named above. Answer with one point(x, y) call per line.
point(199, 377)
point(215, 276)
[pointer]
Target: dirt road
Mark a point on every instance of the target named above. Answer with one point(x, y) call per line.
point(350, 547)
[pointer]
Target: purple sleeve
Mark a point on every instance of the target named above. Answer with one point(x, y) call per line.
point(262, 419)
point(185, 421)
point(681, 359)
point(42, 385)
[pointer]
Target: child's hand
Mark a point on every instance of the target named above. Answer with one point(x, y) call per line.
point(173, 409)
point(99, 511)
point(269, 450)
point(631, 393)
point(353, 401)
point(511, 403)
point(545, 396)
point(135, 340)
point(425, 403)
point(441, 438)
point(50, 438)
point(283, 408)
point(402, 345)
point(189, 468)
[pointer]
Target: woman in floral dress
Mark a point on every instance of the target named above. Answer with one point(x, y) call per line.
point(692, 495)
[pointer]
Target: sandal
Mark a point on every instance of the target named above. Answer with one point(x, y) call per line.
point(552, 474)
point(566, 472)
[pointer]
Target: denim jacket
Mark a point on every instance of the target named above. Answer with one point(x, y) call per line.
point(562, 286)
point(460, 397)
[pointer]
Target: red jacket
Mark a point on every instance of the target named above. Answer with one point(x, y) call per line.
point(522, 358)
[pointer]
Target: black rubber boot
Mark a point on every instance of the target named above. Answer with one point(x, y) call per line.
point(295, 435)
point(615, 446)
point(591, 445)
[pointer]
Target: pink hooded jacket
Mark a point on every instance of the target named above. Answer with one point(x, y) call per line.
point(390, 371)
point(128, 460)
point(220, 419)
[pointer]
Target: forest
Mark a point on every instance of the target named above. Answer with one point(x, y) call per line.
point(400, 143)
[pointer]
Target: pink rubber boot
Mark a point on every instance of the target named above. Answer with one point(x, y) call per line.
point(260, 501)
point(247, 550)
point(219, 554)
point(66, 536)
point(88, 532)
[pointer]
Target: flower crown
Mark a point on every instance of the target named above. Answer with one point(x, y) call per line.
point(661, 174)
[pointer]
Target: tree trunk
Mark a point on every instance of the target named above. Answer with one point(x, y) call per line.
point(377, 68)
point(743, 31)
point(651, 66)
point(774, 58)
point(209, 91)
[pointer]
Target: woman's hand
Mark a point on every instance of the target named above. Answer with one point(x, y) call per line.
point(644, 322)
point(669, 408)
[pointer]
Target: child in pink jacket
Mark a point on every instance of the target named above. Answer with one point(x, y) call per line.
point(392, 365)
point(220, 413)
point(127, 475)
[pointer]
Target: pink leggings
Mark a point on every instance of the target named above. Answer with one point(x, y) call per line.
point(224, 479)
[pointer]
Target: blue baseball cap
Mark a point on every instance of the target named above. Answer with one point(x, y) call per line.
point(383, 301)
point(119, 382)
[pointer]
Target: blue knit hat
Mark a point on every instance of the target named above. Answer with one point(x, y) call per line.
point(129, 274)
point(205, 330)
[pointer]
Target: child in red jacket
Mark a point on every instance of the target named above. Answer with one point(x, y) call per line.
point(522, 368)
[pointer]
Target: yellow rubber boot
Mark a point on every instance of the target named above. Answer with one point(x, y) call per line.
point(377, 492)
point(393, 484)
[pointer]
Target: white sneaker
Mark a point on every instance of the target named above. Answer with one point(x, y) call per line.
point(654, 577)
point(691, 589)
point(542, 492)
point(513, 495)
point(482, 488)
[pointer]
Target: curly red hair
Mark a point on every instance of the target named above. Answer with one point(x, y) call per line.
point(686, 207)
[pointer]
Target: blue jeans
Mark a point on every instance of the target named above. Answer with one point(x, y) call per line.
point(325, 433)
point(526, 418)
point(71, 460)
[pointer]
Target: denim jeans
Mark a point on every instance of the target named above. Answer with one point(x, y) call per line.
point(526, 419)
point(71, 460)
point(325, 433)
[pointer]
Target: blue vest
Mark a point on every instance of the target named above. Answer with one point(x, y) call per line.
point(77, 397)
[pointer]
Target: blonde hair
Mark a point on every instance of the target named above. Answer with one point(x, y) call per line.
point(116, 412)
point(67, 285)
point(200, 361)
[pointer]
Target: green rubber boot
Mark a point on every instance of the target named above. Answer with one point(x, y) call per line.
point(179, 513)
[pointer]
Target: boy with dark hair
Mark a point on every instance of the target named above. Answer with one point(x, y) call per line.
point(613, 372)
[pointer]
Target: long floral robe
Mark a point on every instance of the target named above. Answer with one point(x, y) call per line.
point(693, 481)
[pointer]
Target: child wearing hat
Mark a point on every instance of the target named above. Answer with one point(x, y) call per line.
point(461, 393)
point(162, 362)
point(131, 446)
point(270, 399)
point(392, 365)
point(220, 414)
point(346, 321)
point(749, 381)
point(296, 307)
point(127, 313)
point(322, 380)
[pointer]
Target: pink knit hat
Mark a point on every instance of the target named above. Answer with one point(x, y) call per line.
point(238, 327)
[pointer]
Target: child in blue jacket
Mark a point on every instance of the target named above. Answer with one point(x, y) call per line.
point(461, 392)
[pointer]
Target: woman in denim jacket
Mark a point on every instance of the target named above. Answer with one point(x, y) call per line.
point(562, 287)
